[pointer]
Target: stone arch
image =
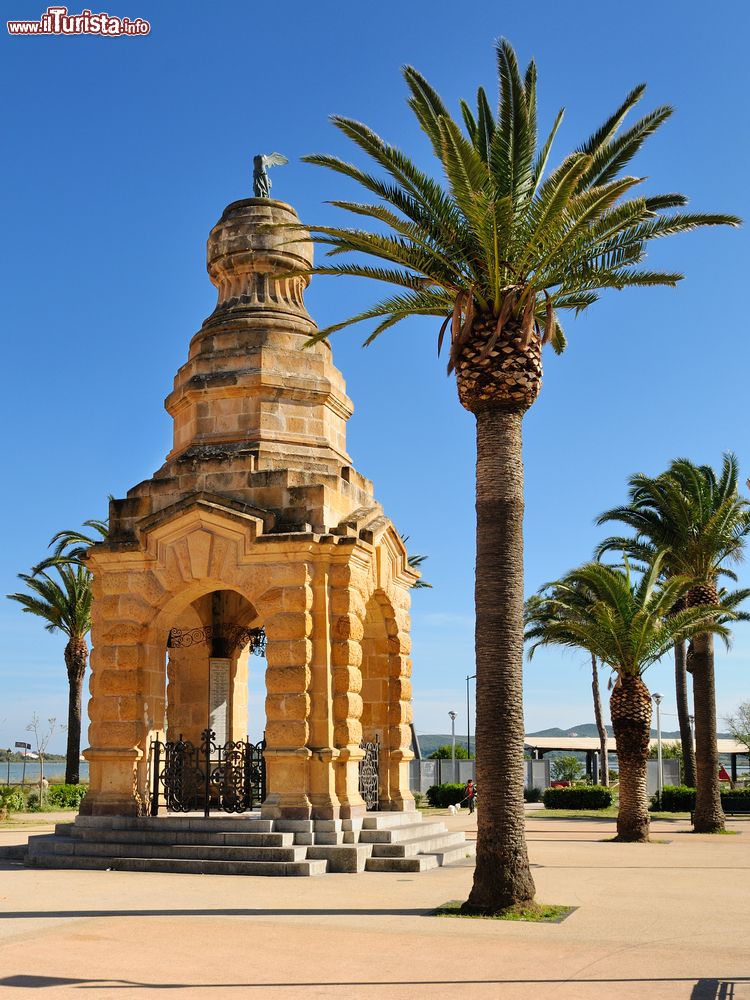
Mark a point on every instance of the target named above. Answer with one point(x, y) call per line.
point(189, 666)
point(130, 669)
point(386, 697)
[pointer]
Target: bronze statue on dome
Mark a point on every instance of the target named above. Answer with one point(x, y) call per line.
point(261, 180)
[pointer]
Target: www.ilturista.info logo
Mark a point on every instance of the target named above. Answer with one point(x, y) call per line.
point(57, 21)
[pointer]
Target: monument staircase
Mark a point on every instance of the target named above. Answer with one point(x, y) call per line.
point(248, 845)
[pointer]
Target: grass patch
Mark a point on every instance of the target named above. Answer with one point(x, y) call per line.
point(651, 840)
point(609, 813)
point(537, 913)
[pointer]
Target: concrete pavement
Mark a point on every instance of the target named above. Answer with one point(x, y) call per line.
point(662, 920)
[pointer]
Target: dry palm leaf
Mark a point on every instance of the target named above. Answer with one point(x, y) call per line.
point(505, 311)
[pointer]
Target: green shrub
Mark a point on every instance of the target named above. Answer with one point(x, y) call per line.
point(735, 796)
point(418, 799)
point(680, 798)
point(33, 801)
point(442, 796)
point(12, 799)
point(532, 794)
point(65, 796)
point(587, 797)
point(674, 798)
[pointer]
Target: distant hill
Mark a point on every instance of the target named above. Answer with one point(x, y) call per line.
point(429, 742)
point(589, 729)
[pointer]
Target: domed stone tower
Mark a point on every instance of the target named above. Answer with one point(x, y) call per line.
point(256, 532)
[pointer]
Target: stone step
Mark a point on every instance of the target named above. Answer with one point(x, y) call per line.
point(219, 823)
point(183, 837)
point(14, 852)
point(420, 845)
point(177, 866)
point(387, 820)
point(397, 834)
point(420, 863)
point(341, 858)
point(208, 852)
point(451, 855)
point(294, 825)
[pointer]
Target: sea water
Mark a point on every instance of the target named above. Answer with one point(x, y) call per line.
point(53, 770)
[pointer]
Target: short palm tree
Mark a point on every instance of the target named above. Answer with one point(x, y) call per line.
point(415, 563)
point(643, 553)
point(700, 523)
point(497, 253)
point(65, 605)
point(627, 625)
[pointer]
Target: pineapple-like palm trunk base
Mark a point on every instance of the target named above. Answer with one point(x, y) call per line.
point(630, 709)
point(502, 877)
point(709, 815)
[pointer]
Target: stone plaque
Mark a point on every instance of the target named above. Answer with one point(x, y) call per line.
point(218, 698)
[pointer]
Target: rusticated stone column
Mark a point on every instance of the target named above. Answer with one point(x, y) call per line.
point(399, 703)
point(288, 625)
point(348, 583)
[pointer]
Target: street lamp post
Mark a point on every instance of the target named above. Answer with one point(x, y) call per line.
point(453, 742)
point(9, 753)
point(659, 769)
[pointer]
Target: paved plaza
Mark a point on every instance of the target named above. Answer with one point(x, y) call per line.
point(663, 920)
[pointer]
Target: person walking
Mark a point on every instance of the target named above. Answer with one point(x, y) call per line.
point(470, 794)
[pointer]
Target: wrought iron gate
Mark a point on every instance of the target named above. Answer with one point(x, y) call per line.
point(369, 779)
point(225, 777)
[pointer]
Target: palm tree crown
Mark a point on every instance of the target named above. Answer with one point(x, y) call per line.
point(502, 239)
point(64, 605)
point(694, 516)
point(71, 545)
point(626, 624)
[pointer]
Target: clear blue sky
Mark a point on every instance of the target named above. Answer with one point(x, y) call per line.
point(120, 155)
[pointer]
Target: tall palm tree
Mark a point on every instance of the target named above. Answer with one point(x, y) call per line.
point(700, 522)
point(628, 625)
point(497, 252)
point(65, 605)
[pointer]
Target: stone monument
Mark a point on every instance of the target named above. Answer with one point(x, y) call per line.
point(256, 521)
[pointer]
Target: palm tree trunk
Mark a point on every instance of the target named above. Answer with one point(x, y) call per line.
point(709, 815)
point(683, 713)
point(630, 708)
point(76, 654)
point(604, 776)
point(502, 876)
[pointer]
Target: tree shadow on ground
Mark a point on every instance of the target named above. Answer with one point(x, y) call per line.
point(703, 989)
